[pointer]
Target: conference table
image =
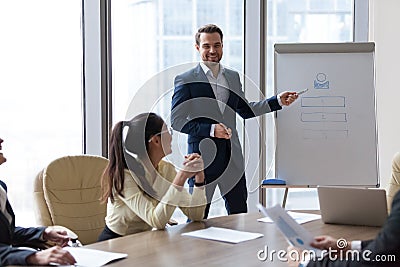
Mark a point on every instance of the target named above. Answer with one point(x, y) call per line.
point(169, 248)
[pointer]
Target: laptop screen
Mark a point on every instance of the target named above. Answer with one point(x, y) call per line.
point(355, 206)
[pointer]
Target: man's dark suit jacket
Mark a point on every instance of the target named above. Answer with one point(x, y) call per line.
point(195, 109)
point(11, 237)
point(386, 243)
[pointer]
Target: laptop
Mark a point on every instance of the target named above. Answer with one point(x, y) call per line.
point(355, 206)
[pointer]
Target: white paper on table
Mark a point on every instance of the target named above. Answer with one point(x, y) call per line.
point(299, 217)
point(295, 234)
point(223, 234)
point(93, 257)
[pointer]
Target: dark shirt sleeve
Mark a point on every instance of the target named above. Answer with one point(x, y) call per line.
point(248, 109)
point(252, 109)
point(10, 254)
point(31, 236)
point(13, 256)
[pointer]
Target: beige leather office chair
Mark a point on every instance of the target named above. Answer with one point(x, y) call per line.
point(394, 184)
point(42, 214)
point(71, 192)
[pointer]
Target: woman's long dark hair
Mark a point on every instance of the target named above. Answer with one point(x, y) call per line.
point(140, 129)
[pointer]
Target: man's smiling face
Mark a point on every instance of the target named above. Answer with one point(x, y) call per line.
point(210, 47)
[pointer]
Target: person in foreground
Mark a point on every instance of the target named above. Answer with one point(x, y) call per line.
point(384, 250)
point(12, 238)
point(204, 105)
point(143, 190)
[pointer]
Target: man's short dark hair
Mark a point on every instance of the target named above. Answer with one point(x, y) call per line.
point(209, 28)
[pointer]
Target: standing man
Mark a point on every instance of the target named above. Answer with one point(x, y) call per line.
point(204, 105)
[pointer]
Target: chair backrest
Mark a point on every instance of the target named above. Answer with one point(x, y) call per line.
point(72, 191)
point(394, 184)
point(42, 214)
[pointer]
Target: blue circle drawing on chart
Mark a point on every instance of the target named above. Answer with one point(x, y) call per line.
point(299, 241)
point(321, 77)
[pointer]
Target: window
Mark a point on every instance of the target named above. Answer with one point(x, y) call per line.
point(41, 67)
point(151, 43)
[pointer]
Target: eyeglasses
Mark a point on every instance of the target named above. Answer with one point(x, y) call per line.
point(169, 130)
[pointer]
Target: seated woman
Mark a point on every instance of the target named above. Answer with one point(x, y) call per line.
point(11, 237)
point(143, 190)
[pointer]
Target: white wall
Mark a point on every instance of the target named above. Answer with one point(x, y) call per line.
point(385, 32)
